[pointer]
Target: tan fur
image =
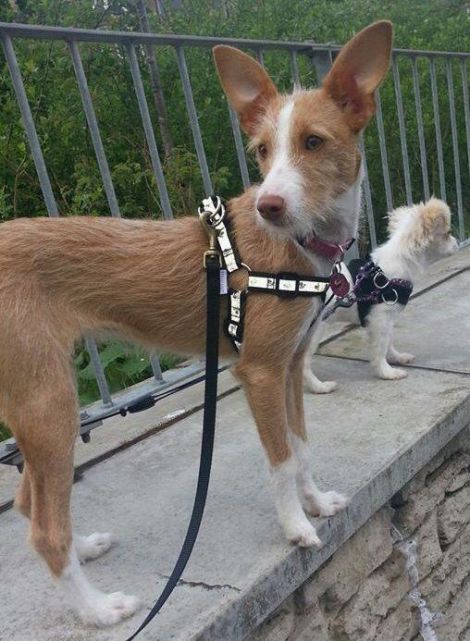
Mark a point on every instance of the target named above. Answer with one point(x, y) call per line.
point(433, 213)
point(144, 280)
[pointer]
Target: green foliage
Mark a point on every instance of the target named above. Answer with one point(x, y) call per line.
point(57, 110)
point(4, 432)
point(124, 366)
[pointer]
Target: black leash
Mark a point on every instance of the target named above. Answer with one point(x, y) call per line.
point(212, 264)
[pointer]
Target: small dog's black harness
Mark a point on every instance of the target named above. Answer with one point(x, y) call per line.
point(371, 287)
point(284, 284)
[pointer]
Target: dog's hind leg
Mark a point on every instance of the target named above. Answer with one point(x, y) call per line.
point(313, 500)
point(45, 425)
point(311, 382)
point(87, 547)
point(265, 389)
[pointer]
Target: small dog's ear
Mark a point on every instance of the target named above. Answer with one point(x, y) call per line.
point(358, 70)
point(246, 84)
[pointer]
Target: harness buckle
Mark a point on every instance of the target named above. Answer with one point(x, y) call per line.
point(287, 284)
point(211, 253)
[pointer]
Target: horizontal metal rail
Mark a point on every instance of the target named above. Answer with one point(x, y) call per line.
point(125, 37)
point(397, 180)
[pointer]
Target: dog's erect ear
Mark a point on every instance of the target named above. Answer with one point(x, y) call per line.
point(358, 70)
point(247, 86)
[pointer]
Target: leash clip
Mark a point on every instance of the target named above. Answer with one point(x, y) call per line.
point(211, 213)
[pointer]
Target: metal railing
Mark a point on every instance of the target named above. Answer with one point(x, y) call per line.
point(424, 72)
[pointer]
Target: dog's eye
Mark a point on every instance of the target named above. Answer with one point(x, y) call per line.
point(262, 150)
point(313, 142)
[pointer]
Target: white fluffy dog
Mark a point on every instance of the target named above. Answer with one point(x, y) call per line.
point(418, 236)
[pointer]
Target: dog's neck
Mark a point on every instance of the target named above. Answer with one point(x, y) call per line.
point(265, 245)
point(397, 260)
point(343, 215)
point(341, 221)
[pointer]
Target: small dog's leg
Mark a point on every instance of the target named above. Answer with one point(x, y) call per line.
point(314, 501)
point(380, 326)
point(266, 393)
point(398, 358)
point(311, 382)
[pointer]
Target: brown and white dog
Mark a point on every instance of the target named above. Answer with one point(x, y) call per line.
point(144, 280)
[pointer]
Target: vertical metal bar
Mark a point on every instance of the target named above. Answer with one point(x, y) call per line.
point(294, 65)
point(437, 125)
point(149, 133)
point(193, 120)
point(260, 56)
point(47, 189)
point(99, 371)
point(239, 148)
point(383, 152)
point(368, 198)
point(402, 129)
point(322, 61)
point(94, 130)
point(419, 120)
point(156, 367)
point(29, 126)
point(466, 106)
point(455, 147)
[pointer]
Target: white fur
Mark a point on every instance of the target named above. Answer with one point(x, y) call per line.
point(406, 254)
point(295, 524)
point(283, 179)
point(93, 606)
point(92, 546)
point(313, 500)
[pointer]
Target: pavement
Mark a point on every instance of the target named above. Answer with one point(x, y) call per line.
point(368, 439)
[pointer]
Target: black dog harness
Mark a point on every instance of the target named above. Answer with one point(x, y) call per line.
point(372, 287)
point(212, 213)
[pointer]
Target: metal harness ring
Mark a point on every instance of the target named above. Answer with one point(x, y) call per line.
point(380, 274)
point(390, 302)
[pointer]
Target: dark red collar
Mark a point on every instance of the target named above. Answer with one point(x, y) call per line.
point(331, 251)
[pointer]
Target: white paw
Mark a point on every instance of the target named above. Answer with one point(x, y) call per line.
point(302, 533)
point(93, 546)
point(324, 503)
point(322, 387)
point(402, 358)
point(392, 373)
point(108, 609)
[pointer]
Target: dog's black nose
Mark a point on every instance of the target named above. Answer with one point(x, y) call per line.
point(271, 207)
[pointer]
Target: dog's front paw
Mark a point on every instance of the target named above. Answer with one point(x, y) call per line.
point(302, 533)
point(93, 546)
point(324, 503)
point(108, 609)
point(391, 373)
point(402, 358)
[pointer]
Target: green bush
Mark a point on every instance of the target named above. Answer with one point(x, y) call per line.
point(55, 102)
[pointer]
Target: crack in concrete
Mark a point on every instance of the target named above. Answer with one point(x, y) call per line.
point(201, 584)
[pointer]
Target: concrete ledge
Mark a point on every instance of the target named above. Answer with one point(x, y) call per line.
point(368, 440)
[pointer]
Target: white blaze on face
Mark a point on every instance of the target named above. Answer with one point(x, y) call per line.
point(283, 179)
